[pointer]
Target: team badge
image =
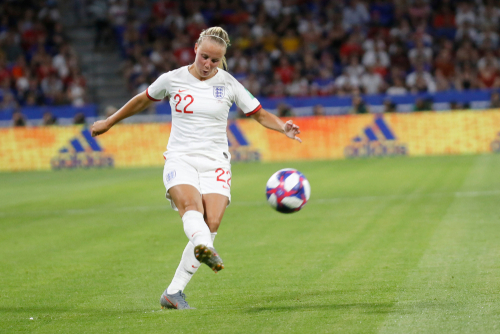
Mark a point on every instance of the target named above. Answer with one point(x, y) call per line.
point(170, 176)
point(219, 91)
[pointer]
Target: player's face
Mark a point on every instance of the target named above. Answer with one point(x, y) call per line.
point(208, 57)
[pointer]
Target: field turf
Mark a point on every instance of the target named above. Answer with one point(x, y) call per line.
point(395, 245)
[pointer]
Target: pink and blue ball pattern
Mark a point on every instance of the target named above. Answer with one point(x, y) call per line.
point(281, 193)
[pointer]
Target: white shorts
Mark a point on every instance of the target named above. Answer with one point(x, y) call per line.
point(207, 174)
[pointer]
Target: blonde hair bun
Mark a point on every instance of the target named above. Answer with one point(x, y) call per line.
point(217, 35)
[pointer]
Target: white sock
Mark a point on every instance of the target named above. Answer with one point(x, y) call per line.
point(186, 269)
point(196, 229)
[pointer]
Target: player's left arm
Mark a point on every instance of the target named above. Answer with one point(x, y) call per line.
point(273, 122)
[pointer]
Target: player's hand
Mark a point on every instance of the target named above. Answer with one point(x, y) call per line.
point(292, 130)
point(99, 127)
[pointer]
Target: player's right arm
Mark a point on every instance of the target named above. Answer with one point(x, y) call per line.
point(137, 104)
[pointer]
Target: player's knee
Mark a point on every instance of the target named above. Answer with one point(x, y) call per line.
point(213, 223)
point(188, 205)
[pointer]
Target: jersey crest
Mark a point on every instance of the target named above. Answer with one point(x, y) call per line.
point(171, 175)
point(219, 91)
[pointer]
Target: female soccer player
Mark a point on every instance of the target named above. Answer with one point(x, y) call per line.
point(197, 172)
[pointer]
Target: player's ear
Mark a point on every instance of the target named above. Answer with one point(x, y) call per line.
point(195, 47)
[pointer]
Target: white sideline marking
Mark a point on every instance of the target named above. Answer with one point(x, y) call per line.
point(464, 194)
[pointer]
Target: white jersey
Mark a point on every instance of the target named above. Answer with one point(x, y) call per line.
point(200, 110)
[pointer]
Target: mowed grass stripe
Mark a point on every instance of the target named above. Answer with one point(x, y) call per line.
point(304, 301)
point(455, 287)
point(318, 201)
point(366, 271)
point(340, 265)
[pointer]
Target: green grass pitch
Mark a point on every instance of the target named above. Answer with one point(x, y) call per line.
point(394, 245)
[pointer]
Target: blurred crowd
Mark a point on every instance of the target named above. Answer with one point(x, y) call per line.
point(317, 47)
point(37, 64)
point(279, 48)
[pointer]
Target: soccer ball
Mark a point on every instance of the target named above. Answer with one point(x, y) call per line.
point(287, 190)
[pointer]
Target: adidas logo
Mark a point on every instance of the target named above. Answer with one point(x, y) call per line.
point(83, 151)
point(376, 139)
point(378, 131)
point(239, 147)
point(89, 144)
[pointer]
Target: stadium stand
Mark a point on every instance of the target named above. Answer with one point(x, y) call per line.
point(320, 48)
point(392, 54)
point(38, 66)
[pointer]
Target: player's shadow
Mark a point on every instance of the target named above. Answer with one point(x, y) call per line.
point(380, 308)
point(374, 308)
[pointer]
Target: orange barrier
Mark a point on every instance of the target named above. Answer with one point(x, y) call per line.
point(329, 137)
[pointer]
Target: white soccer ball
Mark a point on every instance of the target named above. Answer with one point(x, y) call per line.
point(287, 190)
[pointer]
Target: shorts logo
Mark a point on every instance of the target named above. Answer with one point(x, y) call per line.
point(170, 175)
point(219, 91)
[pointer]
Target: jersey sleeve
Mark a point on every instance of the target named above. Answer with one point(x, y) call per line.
point(245, 100)
point(159, 89)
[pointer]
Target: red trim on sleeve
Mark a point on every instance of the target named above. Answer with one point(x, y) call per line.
point(149, 96)
point(254, 111)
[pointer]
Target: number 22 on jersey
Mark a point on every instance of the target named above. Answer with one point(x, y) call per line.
point(178, 98)
point(226, 184)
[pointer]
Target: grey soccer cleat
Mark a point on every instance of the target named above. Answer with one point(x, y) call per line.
point(209, 256)
point(176, 301)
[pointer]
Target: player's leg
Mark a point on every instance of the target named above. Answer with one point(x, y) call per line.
point(173, 296)
point(183, 197)
point(215, 187)
point(215, 176)
point(214, 206)
point(186, 269)
point(181, 183)
point(188, 201)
